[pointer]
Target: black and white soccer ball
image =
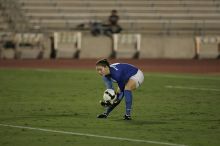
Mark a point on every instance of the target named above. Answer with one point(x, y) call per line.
point(109, 96)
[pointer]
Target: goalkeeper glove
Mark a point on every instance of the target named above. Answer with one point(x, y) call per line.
point(105, 103)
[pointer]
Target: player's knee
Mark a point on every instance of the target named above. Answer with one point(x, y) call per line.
point(131, 85)
point(128, 88)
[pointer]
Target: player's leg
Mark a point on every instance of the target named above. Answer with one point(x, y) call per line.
point(111, 107)
point(133, 83)
point(116, 102)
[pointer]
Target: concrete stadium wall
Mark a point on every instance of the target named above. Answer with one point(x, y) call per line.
point(209, 50)
point(173, 47)
point(167, 47)
point(95, 47)
point(151, 47)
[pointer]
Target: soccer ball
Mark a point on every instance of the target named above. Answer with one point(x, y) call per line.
point(109, 95)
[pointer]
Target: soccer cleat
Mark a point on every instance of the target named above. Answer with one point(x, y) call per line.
point(102, 116)
point(127, 117)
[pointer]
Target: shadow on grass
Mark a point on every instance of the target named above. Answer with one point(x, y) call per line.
point(141, 122)
point(46, 116)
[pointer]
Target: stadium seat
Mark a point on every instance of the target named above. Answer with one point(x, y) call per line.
point(127, 45)
point(67, 44)
point(29, 45)
point(7, 46)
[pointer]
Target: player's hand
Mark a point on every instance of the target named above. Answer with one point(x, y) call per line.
point(117, 101)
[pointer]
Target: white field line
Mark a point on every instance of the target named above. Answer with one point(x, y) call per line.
point(192, 88)
point(92, 135)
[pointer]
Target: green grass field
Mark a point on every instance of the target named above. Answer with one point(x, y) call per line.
point(168, 108)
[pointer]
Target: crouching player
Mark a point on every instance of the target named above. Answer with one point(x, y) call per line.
point(128, 78)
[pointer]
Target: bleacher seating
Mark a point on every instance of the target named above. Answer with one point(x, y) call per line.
point(153, 19)
point(150, 16)
point(3, 23)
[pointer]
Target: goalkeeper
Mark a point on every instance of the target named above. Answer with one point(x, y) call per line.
point(128, 78)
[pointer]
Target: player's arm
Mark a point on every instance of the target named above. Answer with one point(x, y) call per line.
point(117, 90)
point(119, 95)
point(120, 91)
point(109, 85)
point(108, 82)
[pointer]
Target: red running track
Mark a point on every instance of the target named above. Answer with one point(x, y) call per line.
point(204, 66)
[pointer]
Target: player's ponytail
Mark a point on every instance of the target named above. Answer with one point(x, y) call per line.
point(103, 62)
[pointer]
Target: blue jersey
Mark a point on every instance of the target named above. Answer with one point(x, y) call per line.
point(120, 73)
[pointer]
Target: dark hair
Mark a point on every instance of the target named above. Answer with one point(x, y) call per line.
point(103, 62)
point(114, 11)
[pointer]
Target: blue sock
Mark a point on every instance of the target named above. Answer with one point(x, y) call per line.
point(128, 101)
point(119, 97)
